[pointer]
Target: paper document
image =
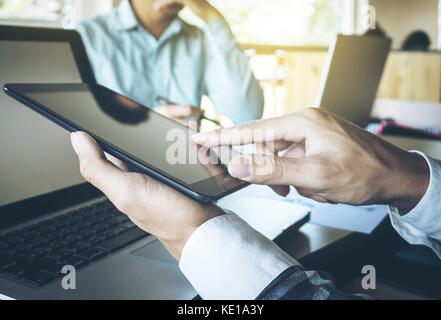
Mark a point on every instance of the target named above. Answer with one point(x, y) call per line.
point(361, 219)
point(266, 204)
point(268, 215)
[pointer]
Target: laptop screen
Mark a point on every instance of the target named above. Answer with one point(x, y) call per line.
point(36, 155)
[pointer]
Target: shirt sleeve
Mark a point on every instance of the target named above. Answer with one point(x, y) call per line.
point(422, 225)
point(230, 82)
point(227, 259)
point(88, 30)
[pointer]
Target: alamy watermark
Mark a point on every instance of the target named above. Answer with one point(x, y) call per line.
point(182, 150)
point(369, 18)
point(69, 281)
point(369, 280)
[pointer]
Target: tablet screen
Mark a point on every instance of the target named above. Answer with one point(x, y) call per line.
point(140, 133)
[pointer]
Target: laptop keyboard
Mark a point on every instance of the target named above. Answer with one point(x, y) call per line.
point(36, 254)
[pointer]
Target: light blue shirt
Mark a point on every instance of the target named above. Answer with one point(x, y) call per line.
point(185, 64)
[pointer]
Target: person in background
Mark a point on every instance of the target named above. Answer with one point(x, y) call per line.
point(143, 50)
point(326, 159)
point(417, 41)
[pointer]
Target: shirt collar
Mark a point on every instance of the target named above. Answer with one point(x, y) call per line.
point(126, 16)
point(174, 28)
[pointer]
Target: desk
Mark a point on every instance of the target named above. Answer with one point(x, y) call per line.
point(342, 253)
point(312, 238)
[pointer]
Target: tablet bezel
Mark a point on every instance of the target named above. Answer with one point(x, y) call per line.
point(205, 191)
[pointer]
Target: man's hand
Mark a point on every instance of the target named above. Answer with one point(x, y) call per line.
point(154, 207)
point(202, 8)
point(187, 115)
point(326, 159)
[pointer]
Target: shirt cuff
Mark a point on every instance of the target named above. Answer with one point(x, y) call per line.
point(422, 225)
point(227, 259)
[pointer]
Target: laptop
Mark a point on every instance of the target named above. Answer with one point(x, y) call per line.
point(352, 75)
point(49, 216)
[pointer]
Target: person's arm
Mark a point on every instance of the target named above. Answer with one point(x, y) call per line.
point(326, 159)
point(227, 259)
point(330, 160)
point(422, 225)
point(221, 255)
point(229, 81)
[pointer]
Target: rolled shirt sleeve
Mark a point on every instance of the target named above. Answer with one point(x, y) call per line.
point(422, 225)
point(227, 259)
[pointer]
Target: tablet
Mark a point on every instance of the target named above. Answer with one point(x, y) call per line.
point(149, 142)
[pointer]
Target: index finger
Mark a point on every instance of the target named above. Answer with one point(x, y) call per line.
point(262, 131)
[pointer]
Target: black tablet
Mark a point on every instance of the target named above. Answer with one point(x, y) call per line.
point(137, 135)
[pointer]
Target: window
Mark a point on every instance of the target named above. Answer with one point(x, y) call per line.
point(282, 22)
point(49, 11)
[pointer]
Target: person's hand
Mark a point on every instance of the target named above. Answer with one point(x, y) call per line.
point(326, 159)
point(187, 115)
point(202, 8)
point(154, 207)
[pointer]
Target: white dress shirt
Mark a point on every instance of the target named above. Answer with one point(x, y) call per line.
point(422, 225)
point(227, 259)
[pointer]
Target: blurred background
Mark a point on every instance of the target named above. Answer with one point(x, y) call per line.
point(287, 40)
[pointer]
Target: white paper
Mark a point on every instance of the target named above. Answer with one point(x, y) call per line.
point(266, 203)
point(263, 211)
point(360, 219)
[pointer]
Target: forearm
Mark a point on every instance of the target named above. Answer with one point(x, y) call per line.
point(230, 82)
point(425, 213)
point(422, 224)
point(175, 244)
point(407, 182)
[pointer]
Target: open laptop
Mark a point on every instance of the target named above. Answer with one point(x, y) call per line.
point(49, 217)
point(352, 76)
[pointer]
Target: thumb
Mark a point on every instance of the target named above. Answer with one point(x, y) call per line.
point(269, 170)
point(94, 166)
